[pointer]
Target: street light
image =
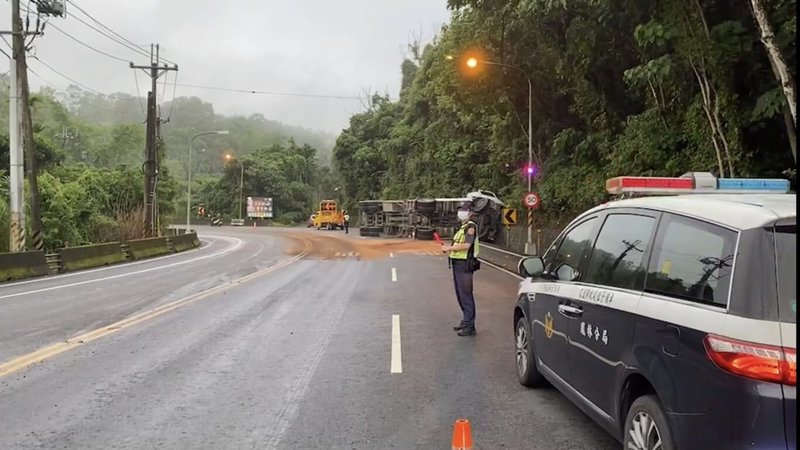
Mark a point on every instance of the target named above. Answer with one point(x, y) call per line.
point(338, 191)
point(230, 157)
point(189, 184)
point(473, 63)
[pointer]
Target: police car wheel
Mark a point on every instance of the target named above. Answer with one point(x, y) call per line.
point(646, 426)
point(527, 372)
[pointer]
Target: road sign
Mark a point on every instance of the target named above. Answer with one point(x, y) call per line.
point(259, 207)
point(531, 200)
point(510, 216)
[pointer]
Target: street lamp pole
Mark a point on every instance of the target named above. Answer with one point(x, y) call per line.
point(241, 189)
point(189, 184)
point(241, 182)
point(529, 169)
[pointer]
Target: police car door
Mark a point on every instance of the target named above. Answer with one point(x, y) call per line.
point(602, 330)
point(562, 263)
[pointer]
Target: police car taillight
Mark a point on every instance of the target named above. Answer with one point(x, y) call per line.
point(756, 361)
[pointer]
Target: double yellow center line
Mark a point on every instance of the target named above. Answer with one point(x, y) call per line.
point(50, 351)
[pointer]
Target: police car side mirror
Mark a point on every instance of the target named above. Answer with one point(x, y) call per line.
point(530, 267)
point(565, 272)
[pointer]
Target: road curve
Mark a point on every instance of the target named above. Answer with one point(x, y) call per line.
point(270, 339)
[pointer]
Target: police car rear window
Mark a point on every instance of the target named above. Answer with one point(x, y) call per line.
point(692, 260)
point(786, 258)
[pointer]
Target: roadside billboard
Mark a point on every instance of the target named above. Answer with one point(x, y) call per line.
point(259, 207)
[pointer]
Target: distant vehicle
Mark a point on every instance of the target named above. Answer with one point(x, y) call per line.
point(328, 217)
point(216, 222)
point(671, 320)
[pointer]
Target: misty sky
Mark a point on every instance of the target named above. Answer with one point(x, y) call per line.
point(338, 47)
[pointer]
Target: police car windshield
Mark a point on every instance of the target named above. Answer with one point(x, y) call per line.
point(786, 252)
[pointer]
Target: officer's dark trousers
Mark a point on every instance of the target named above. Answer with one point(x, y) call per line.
point(346, 227)
point(462, 279)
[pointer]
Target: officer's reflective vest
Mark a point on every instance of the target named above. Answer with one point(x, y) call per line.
point(461, 237)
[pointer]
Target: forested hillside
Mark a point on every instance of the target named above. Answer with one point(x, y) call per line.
point(618, 87)
point(90, 150)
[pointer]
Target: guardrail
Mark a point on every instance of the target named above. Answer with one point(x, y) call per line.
point(148, 247)
point(85, 256)
point(14, 266)
point(500, 257)
point(184, 242)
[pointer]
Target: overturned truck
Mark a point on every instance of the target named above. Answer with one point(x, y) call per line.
point(420, 218)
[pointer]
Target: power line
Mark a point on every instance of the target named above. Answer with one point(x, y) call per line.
point(138, 93)
point(127, 41)
point(164, 89)
point(257, 92)
point(89, 46)
point(42, 78)
point(174, 92)
point(65, 76)
point(104, 34)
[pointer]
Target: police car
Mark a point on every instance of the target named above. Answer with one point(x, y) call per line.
point(671, 319)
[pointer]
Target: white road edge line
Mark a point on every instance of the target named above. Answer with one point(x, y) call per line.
point(254, 255)
point(397, 353)
point(394, 274)
point(501, 269)
point(126, 274)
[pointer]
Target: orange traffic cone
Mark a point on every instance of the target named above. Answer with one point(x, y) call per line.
point(462, 435)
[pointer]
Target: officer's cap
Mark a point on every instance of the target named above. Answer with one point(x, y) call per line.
point(465, 206)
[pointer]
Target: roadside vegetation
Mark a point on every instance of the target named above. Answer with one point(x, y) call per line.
point(619, 88)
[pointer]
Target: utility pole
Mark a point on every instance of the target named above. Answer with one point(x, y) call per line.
point(150, 166)
point(37, 230)
point(21, 142)
point(17, 176)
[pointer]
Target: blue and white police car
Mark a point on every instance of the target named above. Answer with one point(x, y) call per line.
point(671, 319)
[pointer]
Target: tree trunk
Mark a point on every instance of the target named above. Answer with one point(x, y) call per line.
point(707, 107)
point(721, 131)
point(774, 53)
point(790, 131)
point(788, 120)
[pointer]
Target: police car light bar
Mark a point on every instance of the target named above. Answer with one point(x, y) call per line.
point(621, 185)
point(695, 183)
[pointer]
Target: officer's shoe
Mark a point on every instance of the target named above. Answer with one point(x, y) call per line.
point(467, 331)
point(459, 327)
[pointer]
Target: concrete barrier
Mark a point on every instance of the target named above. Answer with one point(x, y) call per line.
point(184, 242)
point(149, 247)
point(96, 255)
point(500, 257)
point(14, 266)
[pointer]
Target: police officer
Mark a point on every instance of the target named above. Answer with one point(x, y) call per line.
point(463, 260)
point(346, 222)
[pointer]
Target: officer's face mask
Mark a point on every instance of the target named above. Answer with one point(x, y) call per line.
point(463, 215)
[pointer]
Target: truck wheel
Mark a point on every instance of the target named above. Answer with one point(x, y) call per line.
point(425, 205)
point(371, 207)
point(424, 234)
point(479, 204)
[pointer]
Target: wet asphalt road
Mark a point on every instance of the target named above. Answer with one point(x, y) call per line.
point(296, 356)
